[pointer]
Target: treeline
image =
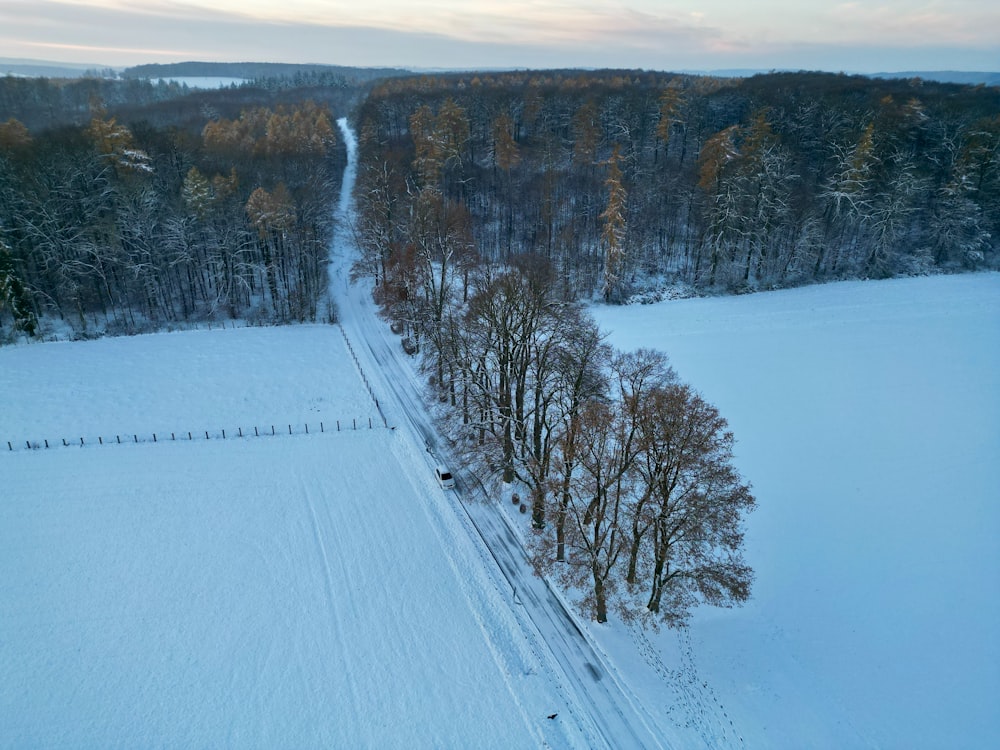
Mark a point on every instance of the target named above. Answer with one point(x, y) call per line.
point(290, 72)
point(47, 103)
point(116, 227)
point(44, 103)
point(626, 180)
point(634, 499)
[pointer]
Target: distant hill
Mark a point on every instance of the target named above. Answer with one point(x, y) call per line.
point(947, 76)
point(46, 69)
point(971, 78)
point(252, 70)
point(255, 70)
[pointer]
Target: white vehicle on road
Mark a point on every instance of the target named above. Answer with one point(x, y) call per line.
point(444, 477)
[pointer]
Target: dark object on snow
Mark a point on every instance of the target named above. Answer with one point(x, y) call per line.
point(523, 508)
point(552, 716)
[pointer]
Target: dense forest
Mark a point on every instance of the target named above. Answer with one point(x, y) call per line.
point(630, 180)
point(129, 206)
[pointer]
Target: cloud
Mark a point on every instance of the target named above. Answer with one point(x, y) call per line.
point(492, 37)
point(49, 47)
point(931, 23)
point(652, 34)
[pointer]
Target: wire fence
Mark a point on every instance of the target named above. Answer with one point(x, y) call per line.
point(271, 430)
point(364, 378)
point(239, 433)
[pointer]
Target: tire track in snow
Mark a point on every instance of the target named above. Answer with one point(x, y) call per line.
point(334, 612)
point(568, 646)
point(508, 652)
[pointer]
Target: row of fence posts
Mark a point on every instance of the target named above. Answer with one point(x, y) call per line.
point(364, 378)
point(173, 436)
point(161, 437)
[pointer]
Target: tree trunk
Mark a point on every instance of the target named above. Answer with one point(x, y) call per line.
point(538, 507)
point(656, 592)
point(633, 556)
point(600, 598)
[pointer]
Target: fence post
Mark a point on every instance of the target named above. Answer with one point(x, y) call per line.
point(189, 436)
point(256, 434)
point(272, 429)
point(321, 427)
point(223, 434)
point(28, 443)
point(136, 438)
point(355, 423)
point(206, 434)
point(172, 436)
point(289, 429)
point(99, 440)
point(81, 442)
point(46, 442)
point(119, 437)
point(307, 428)
point(64, 442)
point(369, 423)
point(241, 431)
point(154, 437)
point(338, 425)
point(9, 445)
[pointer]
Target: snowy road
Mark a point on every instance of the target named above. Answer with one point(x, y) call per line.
point(603, 708)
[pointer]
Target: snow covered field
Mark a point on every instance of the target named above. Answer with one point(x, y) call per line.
point(867, 416)
point(302, 591)
point(195, 380)
point(206, 82)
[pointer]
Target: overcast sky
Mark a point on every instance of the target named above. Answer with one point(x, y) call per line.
point(869, 36)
